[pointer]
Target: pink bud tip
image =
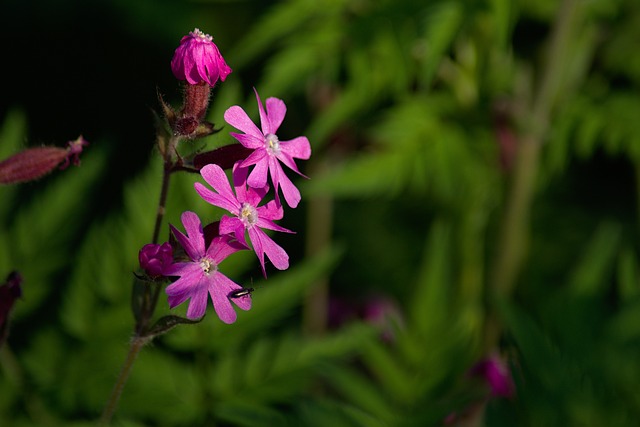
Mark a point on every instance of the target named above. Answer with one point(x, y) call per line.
point(198, 59)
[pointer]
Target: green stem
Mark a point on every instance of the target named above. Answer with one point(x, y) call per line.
point(136, 345)
point(636, 165)
point(319, 231)
point(514, 233)
point(150, 297)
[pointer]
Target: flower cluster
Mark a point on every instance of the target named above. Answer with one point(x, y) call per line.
point(259, 156)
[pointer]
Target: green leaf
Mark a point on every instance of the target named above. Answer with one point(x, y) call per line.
point(360, 391)
point(590, 276)
point(628, 278)
point(442, 22)
point(430, 303)
point(166, 323)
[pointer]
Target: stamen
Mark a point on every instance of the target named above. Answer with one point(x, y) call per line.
point(207, 266)
point(272, 144)
point(248, 214)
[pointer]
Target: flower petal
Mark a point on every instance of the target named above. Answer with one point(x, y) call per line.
point(193, 243)
point(263, 244)
point(216, 178)
point(249, 141)
point(240, 181)
point(219, 289)
point(270, 211)
point(233, 226)
point(239, 119)
point(221, 247)
point(290, 163)
point(258, 155)
point(270, 225)
point(198, 304)
point(186, 286)
point(289, 191)
point(276, 110)
point(299, 147)
point(264, 119)
point(255, 195)
point(258, 176)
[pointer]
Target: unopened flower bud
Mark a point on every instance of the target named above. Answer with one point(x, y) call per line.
point(155, 258)
point(197, 61)
point(34, 163)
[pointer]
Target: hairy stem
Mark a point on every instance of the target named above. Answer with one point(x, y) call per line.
point(150, 297)
point(136, 345)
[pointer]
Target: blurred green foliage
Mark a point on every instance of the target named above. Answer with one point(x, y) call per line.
point(415, 110)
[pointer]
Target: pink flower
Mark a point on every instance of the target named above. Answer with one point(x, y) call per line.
point(198, 59)
point(495, 371)
point(155, 258)
point(268, 150)
point(248, 215)
point(200, 275)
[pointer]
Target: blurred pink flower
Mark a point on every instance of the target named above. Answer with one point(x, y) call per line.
point(268, 150)
point(155, 258)
point(384, 314)
point(495, 372)
point(198, 59)
point(200, 277)
point(380, 311)
point(248, 215)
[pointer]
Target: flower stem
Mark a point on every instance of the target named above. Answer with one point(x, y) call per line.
point(320, 227)
point(150, 296)
point(136, 345)
point(514, 233)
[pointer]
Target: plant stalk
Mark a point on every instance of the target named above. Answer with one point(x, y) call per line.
point(136, 345)
point(319, 231)
point(514, 233)
point(150, 297)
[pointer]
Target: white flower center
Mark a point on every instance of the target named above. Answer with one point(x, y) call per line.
point(208, 266)
point(272, 144)
point(248, 215)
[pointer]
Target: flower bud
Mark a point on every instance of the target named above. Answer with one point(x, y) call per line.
point(34, 163)
point(198, 59)
point(155, 258)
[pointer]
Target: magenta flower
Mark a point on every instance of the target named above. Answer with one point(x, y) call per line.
point(495, 371)
point(155, 258)
point(198, 59)
point(269, 151)
point(248, 215)
point(200, 275)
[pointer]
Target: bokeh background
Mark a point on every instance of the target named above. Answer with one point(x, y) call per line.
point(473, 194)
